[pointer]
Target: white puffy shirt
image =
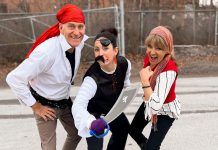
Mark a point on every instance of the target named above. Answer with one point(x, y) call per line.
point(82, 118)
point(47, 70)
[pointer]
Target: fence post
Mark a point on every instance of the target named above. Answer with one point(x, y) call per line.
point(141, 32)
point(122, 29)
point(33, 31)
point(216, 17)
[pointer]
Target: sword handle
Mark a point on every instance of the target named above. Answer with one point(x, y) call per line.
point(92, 132)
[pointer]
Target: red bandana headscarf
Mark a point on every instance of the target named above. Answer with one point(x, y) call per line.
point(68, 13)
point(166, 35)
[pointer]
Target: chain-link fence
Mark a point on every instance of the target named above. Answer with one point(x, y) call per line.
point(20, 31)
point(190, 25)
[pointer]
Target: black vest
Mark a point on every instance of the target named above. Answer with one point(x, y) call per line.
point(109, 87)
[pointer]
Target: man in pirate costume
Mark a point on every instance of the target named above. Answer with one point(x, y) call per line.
point(161, 105)
point(101, 87)
point(43, 80)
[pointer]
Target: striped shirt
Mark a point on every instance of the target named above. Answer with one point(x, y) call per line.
point(155, 104)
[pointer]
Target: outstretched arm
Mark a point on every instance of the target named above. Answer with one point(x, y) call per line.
point(82, 117)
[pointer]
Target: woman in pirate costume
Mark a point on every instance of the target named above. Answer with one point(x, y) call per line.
point(158, 77)
point(102, 85)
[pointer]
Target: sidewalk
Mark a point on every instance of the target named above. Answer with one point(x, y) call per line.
point(195, 130)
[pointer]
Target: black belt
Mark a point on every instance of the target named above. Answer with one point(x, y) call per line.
point(61, 104)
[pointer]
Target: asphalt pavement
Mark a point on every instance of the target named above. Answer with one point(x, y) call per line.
point(196, 129)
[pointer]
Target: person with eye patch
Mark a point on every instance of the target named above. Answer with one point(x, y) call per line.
point(101, 87)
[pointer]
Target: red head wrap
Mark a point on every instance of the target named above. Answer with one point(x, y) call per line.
point(165, 34)
point(68, 13)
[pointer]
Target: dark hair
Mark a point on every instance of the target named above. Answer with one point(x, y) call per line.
point(111, 30)
point(109, 33)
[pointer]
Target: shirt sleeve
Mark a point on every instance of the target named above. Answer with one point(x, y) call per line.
point(128, 74)
point(82, 118)
point(163, 85)
point(18, 78)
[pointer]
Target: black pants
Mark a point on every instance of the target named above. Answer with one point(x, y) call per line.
point(155, 139)
point(119, 128)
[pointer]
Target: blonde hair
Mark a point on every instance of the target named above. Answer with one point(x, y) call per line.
point(157, 41)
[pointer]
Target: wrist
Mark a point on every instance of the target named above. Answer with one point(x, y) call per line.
point(36, 105)
point(89, 121)
point(144, 86)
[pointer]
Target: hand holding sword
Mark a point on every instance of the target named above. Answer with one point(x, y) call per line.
point(99, 125)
